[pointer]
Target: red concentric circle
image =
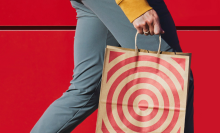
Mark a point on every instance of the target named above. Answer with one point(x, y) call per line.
point(142, 91)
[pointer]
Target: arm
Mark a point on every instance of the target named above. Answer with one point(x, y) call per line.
point(142, 15)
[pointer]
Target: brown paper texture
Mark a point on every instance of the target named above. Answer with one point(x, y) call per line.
point(143, 92)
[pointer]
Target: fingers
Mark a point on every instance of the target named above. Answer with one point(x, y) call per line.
point(162, 31)
point(138, 26)
point(148, 22)
point(157, 28)
point(146, 29)
point(151, 28)
point(140, 30)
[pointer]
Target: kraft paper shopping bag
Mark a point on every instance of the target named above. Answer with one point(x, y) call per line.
point(143, 91)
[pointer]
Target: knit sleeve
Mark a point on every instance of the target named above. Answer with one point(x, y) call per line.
point(133, 8)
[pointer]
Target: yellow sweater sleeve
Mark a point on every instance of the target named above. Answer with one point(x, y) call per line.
point(133, 8)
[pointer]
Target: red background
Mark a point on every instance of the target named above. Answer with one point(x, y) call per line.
point(60, 12)
point(37, 66)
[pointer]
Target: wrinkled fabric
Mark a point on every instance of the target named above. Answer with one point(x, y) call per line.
point(101, 23)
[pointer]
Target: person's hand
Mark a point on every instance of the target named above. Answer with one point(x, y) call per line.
point(148, 22)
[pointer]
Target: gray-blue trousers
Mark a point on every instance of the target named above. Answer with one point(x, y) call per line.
point(101, 23)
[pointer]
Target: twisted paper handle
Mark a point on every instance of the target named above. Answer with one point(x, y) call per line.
point(136, 47)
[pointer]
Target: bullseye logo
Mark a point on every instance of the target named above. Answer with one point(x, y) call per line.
point(143, 93)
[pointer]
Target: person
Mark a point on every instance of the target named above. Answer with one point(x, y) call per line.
point(101, 23)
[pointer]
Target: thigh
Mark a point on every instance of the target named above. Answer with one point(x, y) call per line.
point(91, 38)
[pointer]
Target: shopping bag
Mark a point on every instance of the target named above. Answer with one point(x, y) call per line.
point(143, 91)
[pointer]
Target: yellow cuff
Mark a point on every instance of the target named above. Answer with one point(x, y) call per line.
point(133, 8)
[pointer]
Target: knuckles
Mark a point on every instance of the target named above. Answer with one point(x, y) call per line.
point(149, 21)
point(137, 25)
point(143, 24)
point(156, 32)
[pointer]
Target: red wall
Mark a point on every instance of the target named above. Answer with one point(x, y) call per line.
point(60, 12)
point(194, 12)
point(36, 67)
point(37, 12)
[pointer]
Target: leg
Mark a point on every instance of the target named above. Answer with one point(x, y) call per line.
point(81, 99)
point(124, 32)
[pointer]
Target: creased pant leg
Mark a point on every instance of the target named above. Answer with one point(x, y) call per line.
point(81, 99)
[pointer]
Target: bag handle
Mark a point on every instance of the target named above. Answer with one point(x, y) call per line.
point(136, 47)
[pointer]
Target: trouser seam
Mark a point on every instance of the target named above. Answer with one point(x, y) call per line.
point(87, 101)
